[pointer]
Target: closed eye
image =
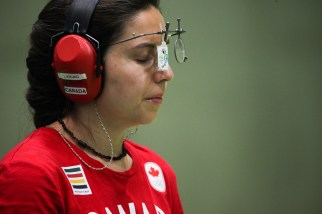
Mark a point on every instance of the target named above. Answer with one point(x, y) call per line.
point(145, 60)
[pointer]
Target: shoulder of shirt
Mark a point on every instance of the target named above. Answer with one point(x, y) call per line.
point(142, 151)
point(148, 155)
point(38, 147)
point(33, 161)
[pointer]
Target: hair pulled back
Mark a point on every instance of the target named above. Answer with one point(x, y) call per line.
point(108, 21)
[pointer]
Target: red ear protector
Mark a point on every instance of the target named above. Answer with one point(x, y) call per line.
point(75, 57)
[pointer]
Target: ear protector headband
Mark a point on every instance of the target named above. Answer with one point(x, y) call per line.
point(76, 55)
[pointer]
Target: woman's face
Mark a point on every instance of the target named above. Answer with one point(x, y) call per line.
point(134, 88)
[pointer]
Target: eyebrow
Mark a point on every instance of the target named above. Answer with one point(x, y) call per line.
point(145, 45)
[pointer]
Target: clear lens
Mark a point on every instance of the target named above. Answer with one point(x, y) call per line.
point(180, 51)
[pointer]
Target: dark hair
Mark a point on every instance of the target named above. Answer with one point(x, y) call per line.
point(108, 21)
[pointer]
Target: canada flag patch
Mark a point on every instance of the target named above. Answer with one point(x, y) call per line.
point(155, 176)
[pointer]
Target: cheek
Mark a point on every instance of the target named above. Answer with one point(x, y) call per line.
point(124, 81)
point(119, 76)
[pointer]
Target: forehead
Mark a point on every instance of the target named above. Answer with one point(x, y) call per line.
point(146, 21)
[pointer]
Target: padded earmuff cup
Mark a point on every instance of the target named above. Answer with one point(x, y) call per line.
point(74, 64)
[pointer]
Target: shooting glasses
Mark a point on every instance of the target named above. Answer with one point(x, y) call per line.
point(179, 47)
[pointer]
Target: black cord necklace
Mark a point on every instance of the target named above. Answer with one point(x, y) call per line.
point(86, 146)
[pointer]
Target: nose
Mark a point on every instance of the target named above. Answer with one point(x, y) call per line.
point(166, 75)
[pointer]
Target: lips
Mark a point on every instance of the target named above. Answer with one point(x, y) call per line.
point(156, 99)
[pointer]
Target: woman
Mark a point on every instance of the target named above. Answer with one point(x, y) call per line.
point(84, 100)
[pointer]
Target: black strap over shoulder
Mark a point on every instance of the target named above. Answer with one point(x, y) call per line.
point(79, 16)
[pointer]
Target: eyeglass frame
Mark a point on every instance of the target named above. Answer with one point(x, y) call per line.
point(178, 32)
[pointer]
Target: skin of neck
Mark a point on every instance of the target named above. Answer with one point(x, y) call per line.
point(85, 125)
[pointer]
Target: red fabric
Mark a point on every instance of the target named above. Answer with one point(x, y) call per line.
point(37, 177)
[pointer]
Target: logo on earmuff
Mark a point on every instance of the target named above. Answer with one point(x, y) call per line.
point(71, 76)
point(74, 90)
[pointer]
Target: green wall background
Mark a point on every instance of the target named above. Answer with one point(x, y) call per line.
point(242, 121)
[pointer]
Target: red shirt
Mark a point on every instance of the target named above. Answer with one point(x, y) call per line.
point(42, 175)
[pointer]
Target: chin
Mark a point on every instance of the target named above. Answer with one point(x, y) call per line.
point(145, 120)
